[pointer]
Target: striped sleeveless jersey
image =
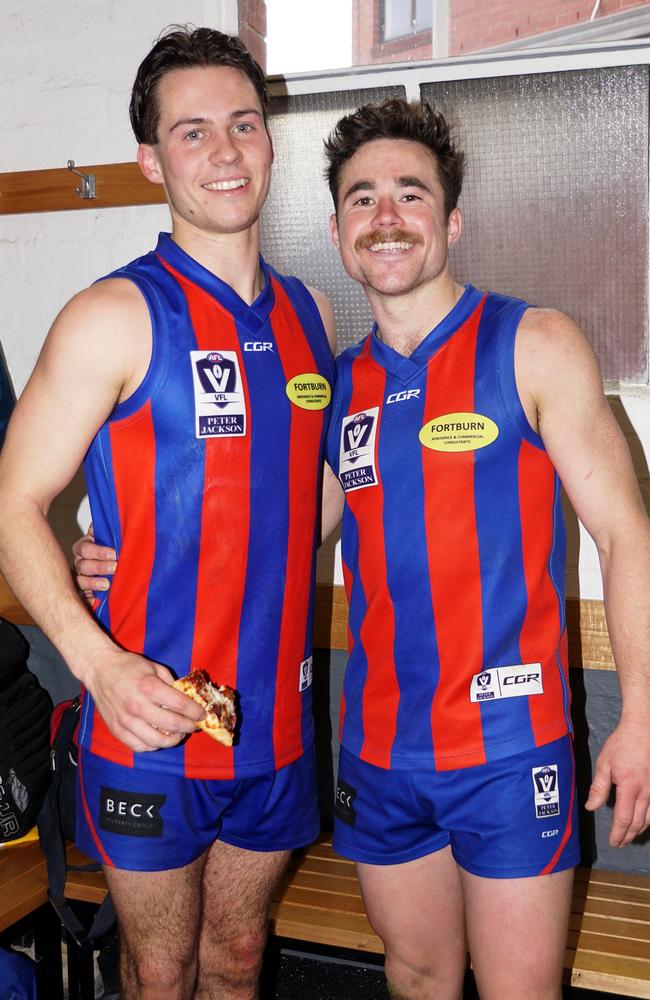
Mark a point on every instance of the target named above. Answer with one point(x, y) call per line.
point(453, 549)
point(206, 482)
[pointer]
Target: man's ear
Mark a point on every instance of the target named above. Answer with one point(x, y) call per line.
point(149, 165)
point(454, 226)
point(334, 231)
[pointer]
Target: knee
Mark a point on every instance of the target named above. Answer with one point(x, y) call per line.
point(237, 960)
point(159, 976)
point(411, 980)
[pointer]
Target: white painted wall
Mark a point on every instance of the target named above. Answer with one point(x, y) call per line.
point(66, 71)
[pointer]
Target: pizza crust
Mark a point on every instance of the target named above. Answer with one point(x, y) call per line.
point(218, 702)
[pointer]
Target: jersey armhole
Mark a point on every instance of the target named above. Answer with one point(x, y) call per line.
point(156, 372)
point(506, 374)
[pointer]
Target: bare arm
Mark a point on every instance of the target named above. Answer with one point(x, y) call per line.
point(332, 503)
point(92, 358)
point(562, 393)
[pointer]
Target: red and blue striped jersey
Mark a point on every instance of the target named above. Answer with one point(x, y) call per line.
point(453, 549)
point(206, 481)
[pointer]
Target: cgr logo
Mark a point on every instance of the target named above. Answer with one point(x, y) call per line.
point(258, 345)
point(550, 833)
point(398, 397)
point(522, 679)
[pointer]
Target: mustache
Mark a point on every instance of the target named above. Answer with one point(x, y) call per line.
point(386, 236)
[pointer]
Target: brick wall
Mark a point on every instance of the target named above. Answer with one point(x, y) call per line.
point(480, 24)
point(252, 28)
point(367, 47)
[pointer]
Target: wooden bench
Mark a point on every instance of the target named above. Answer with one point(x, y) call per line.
point(319, 902)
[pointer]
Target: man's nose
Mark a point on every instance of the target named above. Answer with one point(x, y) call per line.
point(387, 212)
point(224, 149)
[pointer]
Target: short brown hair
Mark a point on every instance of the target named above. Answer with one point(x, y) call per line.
point(397, 119)
point(183, 47)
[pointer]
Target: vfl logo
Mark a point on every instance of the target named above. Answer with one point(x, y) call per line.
point(357, 464)
point(398, 397)
point(306, 671)
point(547, 792)
point(217, 375)
point(357, 433)
point(219, 403)
point(257, 345)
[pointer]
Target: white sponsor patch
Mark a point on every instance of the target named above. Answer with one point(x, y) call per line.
point(306, 673)
point(219, 403)
point(513, 681)
point(357, 466)
point(547, 791)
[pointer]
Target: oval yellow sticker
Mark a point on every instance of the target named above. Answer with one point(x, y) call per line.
point(459, 432)
point(309, 391)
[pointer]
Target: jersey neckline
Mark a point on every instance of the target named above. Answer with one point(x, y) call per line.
point(190, 268)
point(405, 368)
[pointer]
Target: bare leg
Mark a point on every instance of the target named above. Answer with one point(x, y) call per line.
point(237, 889)
point(417, 910)
point(159, 915)
point(517, 930)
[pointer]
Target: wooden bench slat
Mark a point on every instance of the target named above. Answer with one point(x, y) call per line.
point(307, 924)
point(606, 893)
point(608, 974)
point(636, 930)
point(601, 876)
point(323, 883)
point(619, 925)
point(611, 908)
point(321, 899)
point(609, 944)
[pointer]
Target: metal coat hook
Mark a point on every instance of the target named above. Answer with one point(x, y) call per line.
point(87, 189)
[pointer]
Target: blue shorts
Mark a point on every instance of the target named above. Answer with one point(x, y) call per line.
point(508, 818)
point(133, 818)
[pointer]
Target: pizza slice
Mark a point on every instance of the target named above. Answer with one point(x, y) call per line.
point(218, 702)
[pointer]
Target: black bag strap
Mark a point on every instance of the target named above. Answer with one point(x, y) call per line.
point(53, 843)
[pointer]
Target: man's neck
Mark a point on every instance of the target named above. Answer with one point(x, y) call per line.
point(403, 321)
point(232, 257)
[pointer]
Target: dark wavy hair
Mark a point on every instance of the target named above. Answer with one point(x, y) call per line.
point(397, 119)
point(183, 47)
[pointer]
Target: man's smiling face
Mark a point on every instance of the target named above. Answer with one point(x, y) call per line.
point(391, 226)
point(213, 152)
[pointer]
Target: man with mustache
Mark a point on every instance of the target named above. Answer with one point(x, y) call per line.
point(453, 423)
point(196, 381)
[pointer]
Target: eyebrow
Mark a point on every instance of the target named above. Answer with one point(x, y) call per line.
point(235, 116)
point(403, 182)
